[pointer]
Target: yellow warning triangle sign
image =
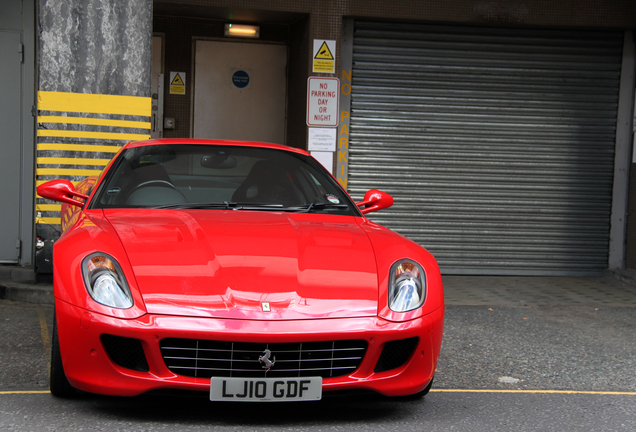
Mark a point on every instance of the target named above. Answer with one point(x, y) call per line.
point(324, 53)
point(177, 80)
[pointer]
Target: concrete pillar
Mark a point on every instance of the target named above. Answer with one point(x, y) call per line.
point(94, 74)
point(95, 46)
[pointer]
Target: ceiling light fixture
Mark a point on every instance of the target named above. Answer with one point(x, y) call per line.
point(241, 30)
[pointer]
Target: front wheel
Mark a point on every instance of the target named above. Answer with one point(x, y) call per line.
point(59, 384)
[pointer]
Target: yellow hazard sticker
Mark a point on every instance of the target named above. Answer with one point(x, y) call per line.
point(324, 53)
point(324, 58)
point(177, 83)
point(177, 80)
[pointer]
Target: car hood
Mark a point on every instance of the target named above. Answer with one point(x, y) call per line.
point(238, 264)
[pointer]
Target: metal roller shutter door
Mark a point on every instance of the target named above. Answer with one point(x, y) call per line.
point(497, 144)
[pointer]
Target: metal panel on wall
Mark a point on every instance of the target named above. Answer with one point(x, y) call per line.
point(10, 140)
point(497, 144)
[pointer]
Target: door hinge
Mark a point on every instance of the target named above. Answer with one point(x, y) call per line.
point(21, 52)
point(18, 245)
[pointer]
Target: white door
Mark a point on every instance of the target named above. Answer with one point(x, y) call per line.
point(240, 91)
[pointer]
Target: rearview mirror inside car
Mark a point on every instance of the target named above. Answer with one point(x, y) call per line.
point(218, 161)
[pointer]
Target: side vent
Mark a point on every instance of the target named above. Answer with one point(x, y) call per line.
point(125, 352)
point(396, 353)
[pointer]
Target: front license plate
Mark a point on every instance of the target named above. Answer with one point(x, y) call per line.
point(265, 389)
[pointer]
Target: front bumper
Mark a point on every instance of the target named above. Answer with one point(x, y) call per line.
point(89, 367)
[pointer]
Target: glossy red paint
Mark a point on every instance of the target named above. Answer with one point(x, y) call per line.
point(63, 191)
point(69, 213)
point(83, 353)
point(205, 273)
point(375, 200)
point(224, 264)
point(390, 247)
point(90, 233)
point(183, 141)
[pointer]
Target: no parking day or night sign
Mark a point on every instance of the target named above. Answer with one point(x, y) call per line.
point(323, 96)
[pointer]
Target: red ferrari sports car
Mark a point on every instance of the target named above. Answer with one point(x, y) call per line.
point(239, 269)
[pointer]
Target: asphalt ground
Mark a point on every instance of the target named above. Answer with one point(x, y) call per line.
point(538, 333)
point(519, 353)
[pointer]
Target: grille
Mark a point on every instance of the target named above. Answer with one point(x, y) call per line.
point(395, 354)
point(205, 359)
point(125, 352)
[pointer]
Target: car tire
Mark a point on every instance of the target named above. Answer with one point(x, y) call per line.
point(58, 383)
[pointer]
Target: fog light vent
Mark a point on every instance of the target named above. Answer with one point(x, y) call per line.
point(395, 354)
point(125, 352)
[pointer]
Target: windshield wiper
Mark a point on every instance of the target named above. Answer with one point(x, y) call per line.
point(224, 205)
point(228, 205)
point(256, 206)
point(317, 206)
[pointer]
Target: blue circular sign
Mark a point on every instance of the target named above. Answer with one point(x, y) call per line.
point(240, 79)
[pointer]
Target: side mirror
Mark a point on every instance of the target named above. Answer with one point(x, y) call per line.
point(375, 200)
point(61, 191)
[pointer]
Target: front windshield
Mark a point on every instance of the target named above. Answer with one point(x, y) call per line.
point(227, 177)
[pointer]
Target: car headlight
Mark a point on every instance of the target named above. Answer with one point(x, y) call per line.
point(105, 281)
point(407, 286)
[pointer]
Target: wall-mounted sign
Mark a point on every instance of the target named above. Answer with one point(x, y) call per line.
point(240, 79)
point(324, 56)
point(322, 139)
point(178, 83)
point(323, 95)
point(326, 159)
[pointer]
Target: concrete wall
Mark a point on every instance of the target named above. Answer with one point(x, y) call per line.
point(94, 62)
point(95, 46)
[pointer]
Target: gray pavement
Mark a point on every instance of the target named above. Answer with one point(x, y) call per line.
point(558, 333)
point(519, 353)
point(559, 347)
point(538, 291)
point(460, 412)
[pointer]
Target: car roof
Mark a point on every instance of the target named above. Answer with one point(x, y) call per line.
point(198, 141)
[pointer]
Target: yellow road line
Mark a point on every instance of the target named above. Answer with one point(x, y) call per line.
point(535, 391)
point(48, 221)
point(78, 147)
point(92, 135)
point(39, 182)
point(94, 103)
point(67, 171)
point(46, 340)
point(598, 393)
point(71, 161)
point(48, 207)
point(94, 122)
